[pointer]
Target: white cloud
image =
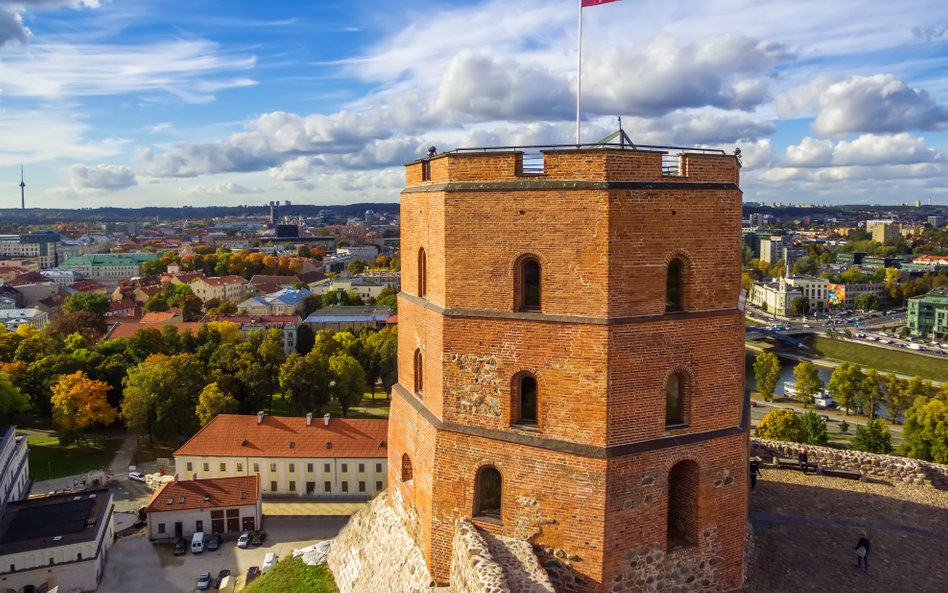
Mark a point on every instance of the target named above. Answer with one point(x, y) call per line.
point(867, 149)
point(223, 188)
point(859, 104)
point(101, 177)
point(12, 29)
point(810, 153)
point(35, 136)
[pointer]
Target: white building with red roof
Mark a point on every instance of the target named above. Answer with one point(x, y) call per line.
point(214, 505)
point(299, 456)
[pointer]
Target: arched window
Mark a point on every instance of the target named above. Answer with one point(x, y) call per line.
point(419, 372)
point(525, 399)
point(488, 489)
point(674, 400)
point(683, 504)
point(406, 468)
point(674, 287)
point(422, 272)
point(528, 277)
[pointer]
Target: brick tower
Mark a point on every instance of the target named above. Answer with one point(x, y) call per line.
point(571, 358)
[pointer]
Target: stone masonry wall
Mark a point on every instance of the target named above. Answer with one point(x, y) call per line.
point(374, 552)
point(473, 569)
point(911, 471)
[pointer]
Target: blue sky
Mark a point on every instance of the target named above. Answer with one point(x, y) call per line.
point(142, 102)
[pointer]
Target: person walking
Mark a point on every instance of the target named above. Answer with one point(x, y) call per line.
point(754, 471)
point(802, 458)
point(862, 552)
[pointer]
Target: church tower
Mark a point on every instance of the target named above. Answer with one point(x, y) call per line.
point(571, 361)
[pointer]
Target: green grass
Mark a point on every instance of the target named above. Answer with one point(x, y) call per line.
point(49, 459)
point(883, 359)
point(291, 575)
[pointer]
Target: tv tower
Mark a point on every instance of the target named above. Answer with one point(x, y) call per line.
point(22, 190)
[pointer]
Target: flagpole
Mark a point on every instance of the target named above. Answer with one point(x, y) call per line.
point(579, 71)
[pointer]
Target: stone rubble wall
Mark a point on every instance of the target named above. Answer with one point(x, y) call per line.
point(904, 469)
point(374, 553)
point(473, 568)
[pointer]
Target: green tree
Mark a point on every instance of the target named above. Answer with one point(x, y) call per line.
point(814, 429)
point(212, 401)
point(870, 392)
point(11, 399)
point(799, 306)
point(867, 301)
point(781, 425)
point(90, 302)
point(808, 382)
point(873, 437)
point(388, 298)
point(926, 429)
point(897, 398)
point(305, 382)
point(161, 395)
point(383, 345)
point(844, 385)
point(348, 381)
point(766, 372)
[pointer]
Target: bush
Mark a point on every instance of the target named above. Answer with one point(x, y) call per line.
point(873, 437)
point(782, 425)
point(844, 427)
point(814, 429)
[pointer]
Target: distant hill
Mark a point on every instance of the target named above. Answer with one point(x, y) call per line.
point(165, 214)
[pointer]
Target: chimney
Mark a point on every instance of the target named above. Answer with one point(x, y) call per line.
point(326, 420)
point(309, 419)
point(259, 417)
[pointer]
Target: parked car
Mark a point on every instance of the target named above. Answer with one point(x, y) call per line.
point(268, 561)
point(244, 540)
point(824, 417)
point(137, 476)
point(204, 581)
point(180, 546)
point(223, 574)
point(213, 542)
point(258, 536)
point(252, 573)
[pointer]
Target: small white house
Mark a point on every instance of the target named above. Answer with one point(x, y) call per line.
point(182, 508)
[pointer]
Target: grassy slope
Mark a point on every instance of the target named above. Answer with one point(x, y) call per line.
point(290, 575)
point(48, 459)
point(883, 359)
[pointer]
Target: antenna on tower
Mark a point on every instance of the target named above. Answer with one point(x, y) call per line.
point(22, 190)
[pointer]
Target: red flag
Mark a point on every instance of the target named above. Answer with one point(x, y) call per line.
point(588, 3)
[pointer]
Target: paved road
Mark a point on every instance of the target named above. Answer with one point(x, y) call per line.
point(835, 416)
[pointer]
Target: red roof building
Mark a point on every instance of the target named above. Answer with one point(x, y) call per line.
point(182, 508)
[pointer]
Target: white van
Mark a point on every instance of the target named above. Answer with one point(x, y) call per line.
point(197, 542)
point(268, 561)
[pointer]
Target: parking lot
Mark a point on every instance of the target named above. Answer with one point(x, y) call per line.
point(135, 564)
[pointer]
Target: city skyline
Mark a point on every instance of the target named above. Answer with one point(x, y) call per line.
point(173, 103)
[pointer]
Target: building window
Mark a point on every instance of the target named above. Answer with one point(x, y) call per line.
point(240, 467)
point(161, 528)
point(309, 468)
point(345, 467)
point(327, 468)
point(406, 468)
point(207, 467)
point(422, 272)
point(524, 398)
point(683, 504)
point(361, 486)
point(292, 486)
point(223, 467)
point(528, 284)
point(361, 468)
point(378, 486)
point(674, 288)
point(190, 467)
point(378, 467)
point(419, 372)
point(199, 526)
point(345, 486)
point(674, 400)
point(292, 468)
point(273, 486)
point(488, 490)
point(327, 487)
point(425, 170)
point(273, 467)
point(256, 468)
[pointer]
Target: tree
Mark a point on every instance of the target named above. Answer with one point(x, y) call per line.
point(89, 302)
point(808, 382)
point(873, 437)
point(161, 395)
point(78, 403)
point(766, 372)
point(926, 429)
point(212, 402)
point(814, 429)
point(844, 385)
point(305, 382)
point(388, 298)
point(781, 425)
point(897, 398)
point(11, 399)
point(799, 306)
point(348, 381)
point(90, 325)
point(867, 301)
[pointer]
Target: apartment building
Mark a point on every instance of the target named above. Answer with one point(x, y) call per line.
point(229, 288)
point(14, 468)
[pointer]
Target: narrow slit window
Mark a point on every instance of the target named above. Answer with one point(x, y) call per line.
point(674, 287)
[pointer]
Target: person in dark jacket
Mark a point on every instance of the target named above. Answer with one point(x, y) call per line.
point(862, 552)
point(802, 458)
point(754, 471)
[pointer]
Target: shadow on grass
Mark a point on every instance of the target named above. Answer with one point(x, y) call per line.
point(806, 539)
point(49, 459)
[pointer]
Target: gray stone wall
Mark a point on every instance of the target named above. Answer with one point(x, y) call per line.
point(486, 563)
point(910, 471)
point(374, 552)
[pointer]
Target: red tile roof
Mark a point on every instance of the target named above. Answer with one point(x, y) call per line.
point(160, 316)
point(125, 329)
point(233, 435)
point(219, 492)
point(87, 285)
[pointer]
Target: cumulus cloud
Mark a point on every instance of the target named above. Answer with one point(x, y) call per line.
point(866, 149)
point(810, 153)
point(12, 29)
point(875, 104)
point(101, 177)
point(223, 188)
